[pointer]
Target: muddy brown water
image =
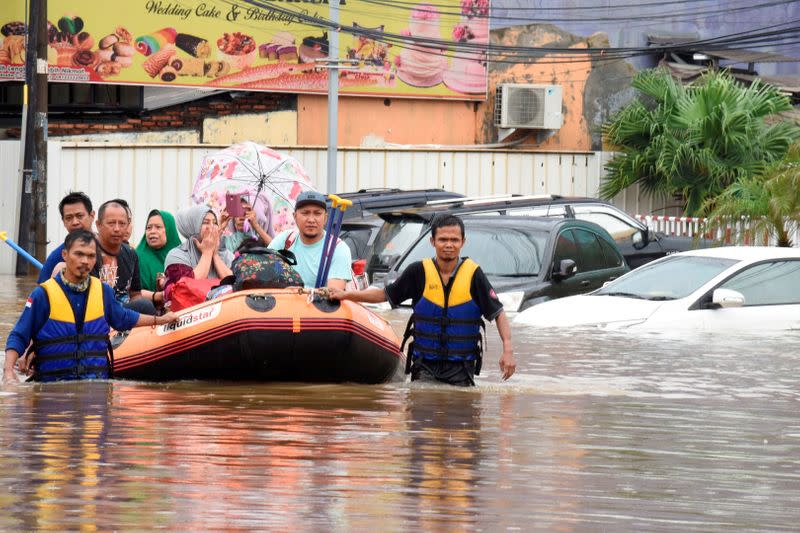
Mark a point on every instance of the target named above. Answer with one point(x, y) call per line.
point(596, 432)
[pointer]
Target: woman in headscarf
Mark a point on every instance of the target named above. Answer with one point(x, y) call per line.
point(250, 225)
point(201, 250)
point(160, 236)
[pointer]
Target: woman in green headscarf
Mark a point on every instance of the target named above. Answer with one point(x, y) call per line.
point(160, 236)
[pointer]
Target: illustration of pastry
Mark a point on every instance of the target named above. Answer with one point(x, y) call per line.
point(70, 25)
point(368, 50)
point(314, 48)
point(150, 44)
point(192, 45)
point(158, 60)
point(422, 65)
point(237, 49)
point(13, 49)
point(280, 48)
point(191, 66)
point(467, 71)
point(13, 28)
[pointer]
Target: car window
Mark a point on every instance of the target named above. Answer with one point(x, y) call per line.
point(770, 283)
point(509, 252)
point(611, 255)
point(357, 239)
point(616, 227)
point(393, 240)
point(566, 248)
point(674, 277)
point(590, 256)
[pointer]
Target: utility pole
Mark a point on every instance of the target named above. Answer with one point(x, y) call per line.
point(333, 97)
point(33, 200)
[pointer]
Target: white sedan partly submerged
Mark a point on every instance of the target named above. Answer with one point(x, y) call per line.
point(737, 288)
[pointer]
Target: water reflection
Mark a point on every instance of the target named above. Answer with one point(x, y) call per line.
point(596, 431)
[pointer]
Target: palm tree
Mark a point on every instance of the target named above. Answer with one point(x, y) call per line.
point(692, 142)
point(769, 202)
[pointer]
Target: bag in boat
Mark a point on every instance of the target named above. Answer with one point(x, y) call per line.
point(258, 267)
point(187, 292)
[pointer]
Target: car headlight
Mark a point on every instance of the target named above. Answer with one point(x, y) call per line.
point(511, 300)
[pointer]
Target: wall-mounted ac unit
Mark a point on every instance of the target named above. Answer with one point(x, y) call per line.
point(519, 105)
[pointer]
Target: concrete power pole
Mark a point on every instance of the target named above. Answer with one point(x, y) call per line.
point(33, 200)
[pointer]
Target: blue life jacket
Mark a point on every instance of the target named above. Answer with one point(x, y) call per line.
point(446, 327)
point(63, 350)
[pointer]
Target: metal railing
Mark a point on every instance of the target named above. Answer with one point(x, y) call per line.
point(739, 233)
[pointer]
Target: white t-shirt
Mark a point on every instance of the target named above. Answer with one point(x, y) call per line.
point(309, 256)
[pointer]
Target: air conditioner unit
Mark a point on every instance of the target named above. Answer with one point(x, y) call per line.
point(519, 105)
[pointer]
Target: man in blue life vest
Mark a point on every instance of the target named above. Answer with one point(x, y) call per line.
point(68, 318)
point(449, 294)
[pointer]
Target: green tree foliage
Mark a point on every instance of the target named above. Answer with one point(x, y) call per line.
point(769, 202)
point(692, 142)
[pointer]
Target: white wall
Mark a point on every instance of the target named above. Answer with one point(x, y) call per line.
point(162, 176)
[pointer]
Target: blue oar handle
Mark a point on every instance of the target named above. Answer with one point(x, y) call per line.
point(16, 247)
point(342, 206)
point(326, 243)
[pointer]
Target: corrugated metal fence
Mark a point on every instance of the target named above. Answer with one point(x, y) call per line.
point(162, 176)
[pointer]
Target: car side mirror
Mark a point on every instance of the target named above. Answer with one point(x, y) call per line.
point(640, 239)
point(724, 298)
point(564, 270)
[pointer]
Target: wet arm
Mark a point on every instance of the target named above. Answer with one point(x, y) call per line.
point(371, 295)
point(507, 363)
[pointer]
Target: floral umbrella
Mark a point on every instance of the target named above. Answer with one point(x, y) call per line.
point(271, 181)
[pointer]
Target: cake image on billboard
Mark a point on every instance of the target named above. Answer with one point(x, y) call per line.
point(422, 66)
point(467, 71)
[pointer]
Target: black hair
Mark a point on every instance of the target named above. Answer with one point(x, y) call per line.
point(442, 221)
point(75, 198)
point(78, 235)
point(118, 202)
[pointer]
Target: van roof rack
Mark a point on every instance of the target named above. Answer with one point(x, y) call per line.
point(464, 199)
point(513, 198)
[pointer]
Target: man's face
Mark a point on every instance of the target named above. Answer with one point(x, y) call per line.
point(80, 259)
point(310, 220)
point(114, 227)
point(76, 217)
point(448, 243)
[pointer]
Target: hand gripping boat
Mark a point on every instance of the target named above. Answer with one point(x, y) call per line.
point(264, 335)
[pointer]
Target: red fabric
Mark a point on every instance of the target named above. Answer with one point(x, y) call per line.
point(187, 292)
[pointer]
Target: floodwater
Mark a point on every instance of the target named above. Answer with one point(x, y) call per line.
point(595, 432)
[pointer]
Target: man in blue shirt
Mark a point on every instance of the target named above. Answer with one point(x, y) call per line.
point(76, 213)
point(69, 317)
point(310, 215)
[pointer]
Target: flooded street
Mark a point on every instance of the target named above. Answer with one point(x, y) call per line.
point(596, 432)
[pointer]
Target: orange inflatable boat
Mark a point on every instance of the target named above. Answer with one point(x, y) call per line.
point(263, 335)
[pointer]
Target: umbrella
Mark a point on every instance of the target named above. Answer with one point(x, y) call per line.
point(271, 181)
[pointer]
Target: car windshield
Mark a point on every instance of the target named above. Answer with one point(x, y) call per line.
point(499, 251)
point(675, 277)
point(393, 239)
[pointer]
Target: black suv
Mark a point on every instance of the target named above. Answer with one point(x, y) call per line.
point(360, 225)
point(639, 245)
point(530, 260)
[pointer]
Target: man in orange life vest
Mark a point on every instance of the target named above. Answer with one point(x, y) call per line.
point(449, 295)
point(69, 316)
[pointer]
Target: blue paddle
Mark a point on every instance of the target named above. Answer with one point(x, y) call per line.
point(17, 248)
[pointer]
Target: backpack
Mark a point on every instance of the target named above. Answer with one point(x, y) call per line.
point(258, 267)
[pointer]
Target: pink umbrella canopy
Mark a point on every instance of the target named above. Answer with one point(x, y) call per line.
point(248, 168)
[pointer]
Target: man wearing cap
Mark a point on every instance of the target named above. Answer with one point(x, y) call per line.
point(305, 242)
